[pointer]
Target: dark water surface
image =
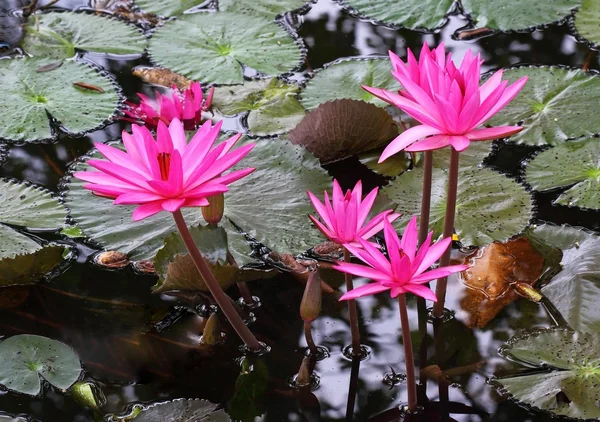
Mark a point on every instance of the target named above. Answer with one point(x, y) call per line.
point(109, 317)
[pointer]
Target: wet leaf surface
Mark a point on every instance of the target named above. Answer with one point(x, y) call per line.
point(178, 410)
point(267, 8)
point(251, 385)
point(587, 20)
point(167, 7)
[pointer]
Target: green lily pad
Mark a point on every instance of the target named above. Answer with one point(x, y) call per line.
point(180, 410)
point(268, 8)
point(60, 35)
point(571, 163)
point(489, 206)
point(343, 79)
point(392, 167)
point(167, 7)
point(29, 96)
point(208, 48)
point(586, 22)
point(575, 290)
point(576, 362)
point(26, 358)
point(411, 14)
point(508, 15)
point(556, 104)
point(272, 105)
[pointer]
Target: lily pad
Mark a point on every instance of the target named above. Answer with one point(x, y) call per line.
point(208, 48)
point(576, 362)
point(272, 105)
point(343, 79)
point(60, 35)
point(178, 410)
point(575, 164)
point(411, 14)
point(508, 15)
point(489, 206)
point(268, 8)
point(29, 97)
point(575, 290)
point(556, 104)
point(586, 22)
point(26, 358)
point(167, 7)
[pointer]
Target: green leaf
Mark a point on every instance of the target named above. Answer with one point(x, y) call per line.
point(208, 48)
point(343, 79)
point(251, 385)
point(571, 163)
point(508, 15)
point(59, 35)
point(25, 358)
point(30, 261)
point(412, 14)
point(556, 104)
point(267, 8)
point(489, 206)
point(180, 410)
point(28, 96)
point(272, 104)
point(26, 205)
point(392, 167)
point(576, 358)
point(587, 20)
point(167, 7)
point(575, 290)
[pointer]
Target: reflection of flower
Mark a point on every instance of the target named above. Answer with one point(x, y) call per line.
point(405, 270)
point(448, 102)
point(167, 174)
point(344, 217)
point(186, 106)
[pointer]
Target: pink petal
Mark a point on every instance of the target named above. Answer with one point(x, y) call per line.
point(423, 291)
point(490, 133)
point(431, 143)
point(173, 205)
point(147, 210)
point(178, 135)
point(509, 94)
point(322, 228)
point(362, 271)
point(366, 290)
point(410, 238)
point(406, 138)
point(365, 208)
point(434, 253)
point(137, 198)
point(320, 208)
point(459, 143)
point(438, 273)
point(397, 291)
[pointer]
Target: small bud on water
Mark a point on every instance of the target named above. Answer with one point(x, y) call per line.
point(303, 377)
point(213, 213)
point(212, 331)
point(310, 307)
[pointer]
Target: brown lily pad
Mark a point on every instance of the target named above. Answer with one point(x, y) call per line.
point(342, 128)
point(162, 76)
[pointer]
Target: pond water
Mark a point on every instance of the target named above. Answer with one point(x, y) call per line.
point(137, 347)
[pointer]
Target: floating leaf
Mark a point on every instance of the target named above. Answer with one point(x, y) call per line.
point(167, 7)
point(26, 358)
point(162, 77)
point(29, 96)
point(575, 357)
point(571, 163)
point(508, 15)
point(587, 20)
point(178, 410)
point(26, 205)
point(208, 48)
point(251, 385)
point(556, 104)
point(489, 206)
point(272, 104)
point(268, 8)
point(392, 167)
point(575, 290)
point(412, 14)
point(343, 79)
point(342, 128)
point(59, 35)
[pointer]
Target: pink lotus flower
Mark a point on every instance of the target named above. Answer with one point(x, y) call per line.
point(405, 270)
point(186, 106)
point(167, 174)
point(448, 102)
point(344, 220)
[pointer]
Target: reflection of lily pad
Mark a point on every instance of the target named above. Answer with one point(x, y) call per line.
point(571, 163)
point(343, 79)
point(268, 8)
point(25, 358)
point(180, 410)
point(167, 7)
point(489, 206)
point(208, 48)
point(576, 359)
point(60, 35)
point(555, 104)
point(272, 104)
point(29, 96)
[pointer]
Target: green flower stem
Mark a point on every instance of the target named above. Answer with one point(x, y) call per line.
point(356, 350)
point(440, 288)
point(411, 383)
point(215, 289)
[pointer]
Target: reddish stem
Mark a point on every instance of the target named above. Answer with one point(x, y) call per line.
point(356, 350)
point(408, 355)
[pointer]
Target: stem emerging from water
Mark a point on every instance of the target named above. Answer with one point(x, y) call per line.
point(215, 289)
point(440, 288)
point(408, 355)
point(309, 339)
point(356, 350)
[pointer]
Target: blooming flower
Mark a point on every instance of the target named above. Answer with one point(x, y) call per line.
point(166, 174)
point(405, 269)
point(344, 217)
point(186, 106)
point(447, 101)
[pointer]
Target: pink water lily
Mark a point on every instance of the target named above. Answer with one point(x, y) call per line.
point(185, 105)
point(406, 269)
point(448, 101)
point(168, 173)
point(344, 216)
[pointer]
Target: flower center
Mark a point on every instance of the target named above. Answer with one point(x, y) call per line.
point(164, 164)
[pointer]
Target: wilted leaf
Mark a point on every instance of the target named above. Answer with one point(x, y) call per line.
point(250, 387)
point(161, 76)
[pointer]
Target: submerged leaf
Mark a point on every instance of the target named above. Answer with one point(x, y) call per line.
point(267, 8)
point(342, 128)
point(251, 385)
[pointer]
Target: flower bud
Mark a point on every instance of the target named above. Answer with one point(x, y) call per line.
point(212, 331)
point(310, 307)
point(303, 377)
point(213, 213)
